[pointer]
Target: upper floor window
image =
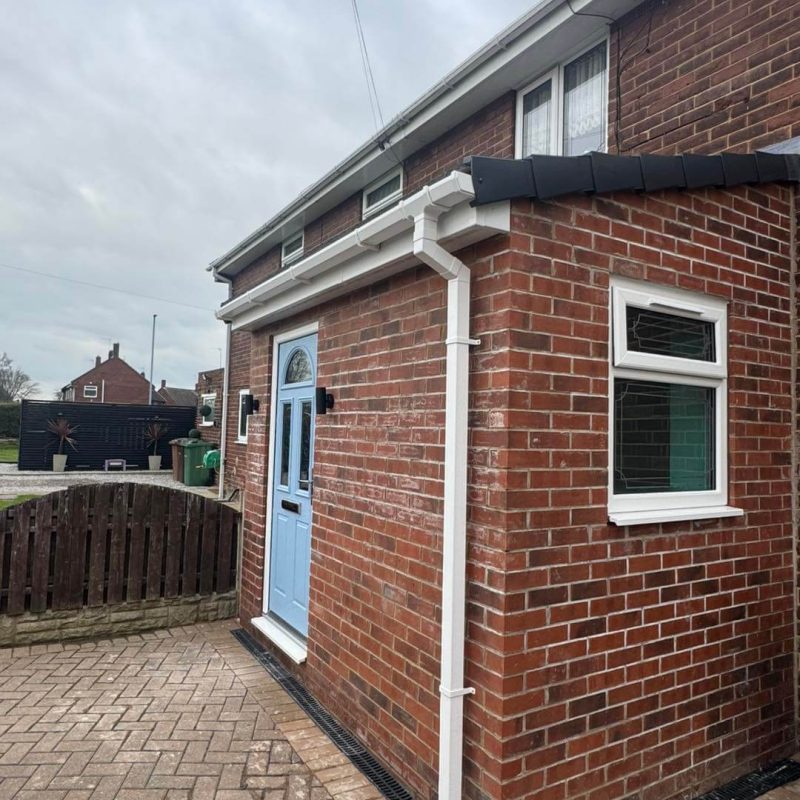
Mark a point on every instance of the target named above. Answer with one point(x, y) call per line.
point(383, 193)
point(90, 391)
point(565, 112)
point(292, 249)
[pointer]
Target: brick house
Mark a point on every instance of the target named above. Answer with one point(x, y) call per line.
point(175, 396)
point(546, 403)
point(109, 381)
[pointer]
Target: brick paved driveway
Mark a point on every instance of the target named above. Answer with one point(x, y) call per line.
point(179, 714)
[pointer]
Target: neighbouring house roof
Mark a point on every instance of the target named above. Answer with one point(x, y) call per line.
point(546, 177)
point(527, 47)
point(178, 397)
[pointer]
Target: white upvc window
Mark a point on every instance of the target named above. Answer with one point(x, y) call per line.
point(292, 249)
point(565, 112)
point(668, 437)
point(383, 193)
point(90, 391)
point(241, 431)
point(209, 400)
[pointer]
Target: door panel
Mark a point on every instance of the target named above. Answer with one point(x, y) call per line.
point(290, 543)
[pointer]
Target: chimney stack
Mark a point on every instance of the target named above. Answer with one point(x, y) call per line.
point(116, 350)
point(97, 361)
point(163, 383)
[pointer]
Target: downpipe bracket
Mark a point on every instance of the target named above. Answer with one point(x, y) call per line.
point(462, 340)
point(452, 693)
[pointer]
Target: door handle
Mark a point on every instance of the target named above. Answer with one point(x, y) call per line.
point(288, 505)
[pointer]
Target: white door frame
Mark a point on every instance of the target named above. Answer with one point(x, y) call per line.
point(292, 644)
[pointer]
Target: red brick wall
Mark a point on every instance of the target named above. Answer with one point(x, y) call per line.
point(706, 76)
point(651, 661)
point(375, 575)
point(123, 384)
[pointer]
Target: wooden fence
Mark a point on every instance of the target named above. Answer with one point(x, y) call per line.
point(114, 543)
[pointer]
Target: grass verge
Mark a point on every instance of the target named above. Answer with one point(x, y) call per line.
point(20, 498)
point(9, 452)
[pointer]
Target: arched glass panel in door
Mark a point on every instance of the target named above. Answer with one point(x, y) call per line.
point(298, 370)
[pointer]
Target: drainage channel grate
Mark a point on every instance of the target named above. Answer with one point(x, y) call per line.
point(386, 783)
point(757, 783)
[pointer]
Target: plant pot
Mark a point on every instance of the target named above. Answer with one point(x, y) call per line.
point(154, 463)
point(59, 462)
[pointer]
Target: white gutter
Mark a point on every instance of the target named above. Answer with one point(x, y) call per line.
point(454, 524)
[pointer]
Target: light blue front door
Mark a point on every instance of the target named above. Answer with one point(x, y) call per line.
point(290, 544)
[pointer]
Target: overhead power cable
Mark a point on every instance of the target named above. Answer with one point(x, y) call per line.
point(104, 287)
point(372, 92)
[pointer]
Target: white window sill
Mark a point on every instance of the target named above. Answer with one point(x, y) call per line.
point(673, 515)
point(289, 643)
point(241, 441)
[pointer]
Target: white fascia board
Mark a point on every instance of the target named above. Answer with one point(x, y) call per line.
point(511, 59)
point(347, 264)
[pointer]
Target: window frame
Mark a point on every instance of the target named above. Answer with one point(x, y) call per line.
point(368, 211)
point(639, 508)
point(556, 76)
point(204, 423)
point(239, 438)
point(90, 396)
point(296, 255)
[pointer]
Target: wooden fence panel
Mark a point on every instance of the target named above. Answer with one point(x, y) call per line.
point(119, 527)
point(194, 511)
point(109, 543)
point(18, 573)
point(62, 551)
point(155, 552)
point(177, 515)
point(99, 539)
point(141, 501)
point(40, 566)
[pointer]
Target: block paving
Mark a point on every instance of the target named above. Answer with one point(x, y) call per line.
point(178, 714)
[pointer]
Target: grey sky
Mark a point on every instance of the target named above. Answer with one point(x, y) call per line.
point(140, 140)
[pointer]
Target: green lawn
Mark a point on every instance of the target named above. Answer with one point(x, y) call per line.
point(20, 498)
point(9, 451)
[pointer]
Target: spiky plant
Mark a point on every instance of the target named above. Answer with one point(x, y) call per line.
point(61, 427)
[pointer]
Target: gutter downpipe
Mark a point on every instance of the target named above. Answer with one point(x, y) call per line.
point(225, 386)
point(454, 524)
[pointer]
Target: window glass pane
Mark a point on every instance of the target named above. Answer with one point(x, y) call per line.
point(383, 191)
point(585, 103)
point(298, 370)
point(286, 439)
point(537, 108)
point(663, 437)
point(305, 443)
point(667, 335)
point(292, 246)
point(210, 401)
point(242, 417)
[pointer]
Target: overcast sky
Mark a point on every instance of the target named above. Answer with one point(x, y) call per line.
point(141, 139)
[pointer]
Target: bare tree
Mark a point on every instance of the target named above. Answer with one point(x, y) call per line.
point(15, 384)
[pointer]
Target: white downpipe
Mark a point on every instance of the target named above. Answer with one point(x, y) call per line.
point(454, 526)
point(224, 428)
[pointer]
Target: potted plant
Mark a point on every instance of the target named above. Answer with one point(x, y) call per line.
point(155, 432)
point(61, 427)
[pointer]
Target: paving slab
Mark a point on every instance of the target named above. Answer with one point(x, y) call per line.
point(180, 713)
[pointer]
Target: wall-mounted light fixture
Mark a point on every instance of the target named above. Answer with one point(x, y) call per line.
point(251, 405)
point(324, 400)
